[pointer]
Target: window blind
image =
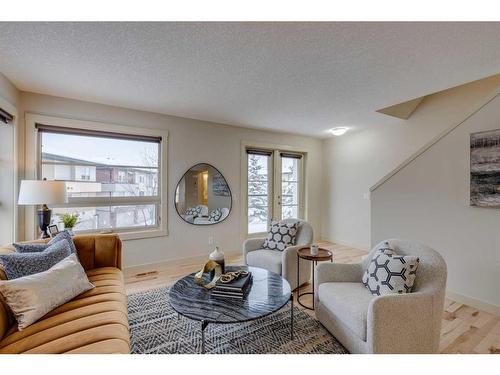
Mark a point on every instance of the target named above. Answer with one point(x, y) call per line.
point(96, 133)
point(290, 155)
point(253, 151)
point(5, 116)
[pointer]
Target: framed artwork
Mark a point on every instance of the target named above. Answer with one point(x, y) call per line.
point(485, 169)
point(53, 230)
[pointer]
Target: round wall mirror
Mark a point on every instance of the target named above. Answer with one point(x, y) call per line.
point(202, 196)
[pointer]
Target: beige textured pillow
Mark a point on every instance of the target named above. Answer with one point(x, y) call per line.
point(33, 296)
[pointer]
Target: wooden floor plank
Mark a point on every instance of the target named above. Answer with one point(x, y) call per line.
point(464, 329)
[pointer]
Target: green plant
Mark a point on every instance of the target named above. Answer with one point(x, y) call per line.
point(69, 220)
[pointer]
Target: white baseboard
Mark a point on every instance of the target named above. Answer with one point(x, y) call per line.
point(139, 268)
point(473, 302)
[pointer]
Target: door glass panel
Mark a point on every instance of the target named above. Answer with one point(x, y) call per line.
point(258, 197)
point(289, 187)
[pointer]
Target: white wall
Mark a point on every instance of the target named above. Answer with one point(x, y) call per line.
point(8, 91)
point(357, 160)
point(190, 142)
point(9, 97)
point(428, 201)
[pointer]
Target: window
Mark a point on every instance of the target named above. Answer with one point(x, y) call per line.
point(121, 176)
point(258, 188)
point(290, 168)
point(113, 179)
point(274, 187)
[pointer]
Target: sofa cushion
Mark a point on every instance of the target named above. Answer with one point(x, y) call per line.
point(36, 247)
point(64, 235)
point(348, 302)
point(30, 247)
point(268, 259)
point(94, 322)
point(33, 296)
point(17, 265)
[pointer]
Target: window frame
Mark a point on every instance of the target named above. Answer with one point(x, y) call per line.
point(300, 182)
point(270, 191)
point(275, 162)
point(33, 171)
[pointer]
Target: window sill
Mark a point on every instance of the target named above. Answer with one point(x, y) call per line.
point(132, 235)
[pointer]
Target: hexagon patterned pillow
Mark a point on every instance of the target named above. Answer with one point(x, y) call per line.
point(215, 215)
point(280, 235)
point(389, 273)
point(191, 211)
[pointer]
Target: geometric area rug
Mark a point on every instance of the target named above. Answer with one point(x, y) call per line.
point(155, 328)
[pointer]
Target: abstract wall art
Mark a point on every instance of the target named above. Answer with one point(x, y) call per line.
point(485, 169)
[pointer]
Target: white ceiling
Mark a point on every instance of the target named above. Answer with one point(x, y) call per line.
point(295, 77)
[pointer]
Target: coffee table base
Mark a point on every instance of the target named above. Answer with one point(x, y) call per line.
point(204, 325)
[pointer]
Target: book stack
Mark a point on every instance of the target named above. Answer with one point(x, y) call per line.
point(234, 289)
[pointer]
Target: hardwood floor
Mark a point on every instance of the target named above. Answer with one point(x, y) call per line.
point(464, 329)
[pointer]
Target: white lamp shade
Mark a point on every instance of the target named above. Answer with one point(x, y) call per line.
point(42, 192)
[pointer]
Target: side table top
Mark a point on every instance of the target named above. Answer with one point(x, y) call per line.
point(323, 254)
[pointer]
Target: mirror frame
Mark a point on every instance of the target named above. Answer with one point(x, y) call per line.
point(230, 195)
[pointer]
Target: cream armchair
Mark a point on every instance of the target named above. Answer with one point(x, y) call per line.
point(285, 262)
point(395, 323)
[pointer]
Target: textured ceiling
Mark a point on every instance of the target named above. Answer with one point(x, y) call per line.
point(294, 77)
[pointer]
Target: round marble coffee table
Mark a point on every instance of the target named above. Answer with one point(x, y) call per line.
point(268, 293)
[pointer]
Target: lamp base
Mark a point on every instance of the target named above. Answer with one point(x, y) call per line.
point(44, 214)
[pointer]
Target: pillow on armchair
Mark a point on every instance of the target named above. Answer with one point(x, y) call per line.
point(281, 235)
point(215, 215)
point(389, 273)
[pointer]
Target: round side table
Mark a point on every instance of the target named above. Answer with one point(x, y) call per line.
point(305, 253)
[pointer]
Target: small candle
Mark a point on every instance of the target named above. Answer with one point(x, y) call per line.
point(314, 249)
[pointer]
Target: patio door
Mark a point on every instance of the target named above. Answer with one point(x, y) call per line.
point(274, 187)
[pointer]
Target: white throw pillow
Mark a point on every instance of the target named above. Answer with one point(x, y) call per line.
point(389, 273)
point(31, 297)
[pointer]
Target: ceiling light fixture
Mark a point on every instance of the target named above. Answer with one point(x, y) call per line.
point(338, 131)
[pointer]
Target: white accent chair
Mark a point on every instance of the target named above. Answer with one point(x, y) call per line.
point(394, 323)
point(283, 263)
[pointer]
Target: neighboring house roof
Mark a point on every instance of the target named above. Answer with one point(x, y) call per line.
point(65, 159)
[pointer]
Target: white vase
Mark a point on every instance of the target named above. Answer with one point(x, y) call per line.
point(218, 257)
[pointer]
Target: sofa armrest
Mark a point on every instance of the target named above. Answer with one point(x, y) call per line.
point(403, 323)
point(99, 250)
point(251, 244)
point(338, 272)
point(289, 255)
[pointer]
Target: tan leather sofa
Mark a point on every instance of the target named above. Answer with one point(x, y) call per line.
point(93, 322)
